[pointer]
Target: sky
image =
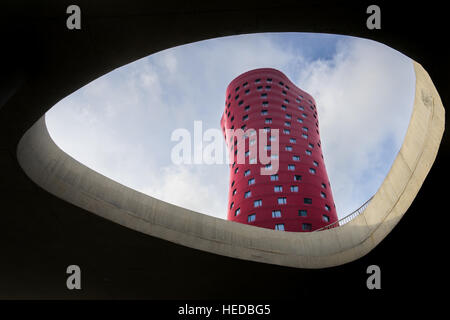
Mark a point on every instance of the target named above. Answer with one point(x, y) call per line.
point(120, 124)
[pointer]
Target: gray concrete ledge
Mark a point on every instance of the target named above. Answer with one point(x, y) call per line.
point(55, 171)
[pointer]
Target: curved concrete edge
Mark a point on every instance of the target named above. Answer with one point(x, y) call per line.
point(55, 171)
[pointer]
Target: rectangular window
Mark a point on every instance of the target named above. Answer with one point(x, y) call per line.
point(310, 145)
point(305, 129)
point(282, 200)
point(231, 205)
point(286, 131)
point(274, 177)
point(327, 207)
point(278, 188)
point(273, 156)
point(268, 166)
point(324, 185)
point(257, 203)
point(267, 147)
point(306, 226)
point(307, 200)
point(283, 107)
point(312, 170)
point(292, 140)
point(297, 177)
point(251, 181)
point(247, 108)
point(251, 217)
point(279, 226)
point(301, 108)
point(287, 123)
point(234, 192)
point(248, 194)
point(273, 138)
point(291, 167)
point(252, 161)
point(238, 210)
point(246, 173)
point(294, 188)
point(304, 135)
point(296, 158)
point(302, 213)
point(263, 95)
point(288, 148)
point(268, 120)
point(308, 152)
point(263, 112)
point(326, 218)
point(288, 116)
point(244, 118)
point(323, 195)
point(276, 214)
point(299, 120)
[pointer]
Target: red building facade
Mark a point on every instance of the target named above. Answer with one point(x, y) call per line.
point(296, 195)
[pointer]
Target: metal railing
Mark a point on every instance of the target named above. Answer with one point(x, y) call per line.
point(347, 218)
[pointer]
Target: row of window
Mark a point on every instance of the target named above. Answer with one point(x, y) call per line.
point(280, 201)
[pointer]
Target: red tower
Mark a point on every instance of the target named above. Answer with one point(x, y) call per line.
point(296, 195)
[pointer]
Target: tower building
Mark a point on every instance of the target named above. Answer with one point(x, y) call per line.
point(278, 178)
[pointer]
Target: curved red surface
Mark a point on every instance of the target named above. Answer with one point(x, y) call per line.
point(310, 186)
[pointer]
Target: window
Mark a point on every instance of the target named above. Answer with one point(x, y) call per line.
point(305, 129)
point(244, 118)
point(268, 166)
point(267, 129)
point(248, 194)
point(326, 218)
point(315, 163)
point(231, 205)
point(308, 152)
point(234, 191)
point(286, 131)
point(298, 100)
point(324, 185)
point(236, 170)
point(304, 135)
point(267, 147)
point(237, 88)
point(259, 88)
point(251, 217)
point(287, 123)
point(283, 92)
point(327, 207)
point(257, 203)
point(286, 100)
point(281, 83)
point(265, 103)
point(323, 195)
point(304, 115)
point(294, 188)
point(247, 108)
point(276, 214)
point(263, 95)
point(311, 145)
point(232, 184)
point(297, 177)
point(268, 120)
point(267, 88)
point(288, 148)
point(278, 188)
point(263, 112)
point(279, 226)
point(288, 116)
point(302, 213)
point(273, 156)
point(247, 153)
point(296, 158)
point(274, 177)
point(292, 140)
point(306, 226)
point(252, 142)
point(232, 118)
point(307, 200)
point(245, 84)
point(251, 181)
point(282, 200)
point(257, 80)
point(283, 107)
point(291, 167)
point(312, 170)
point(237, 97)
point(301, 108)
point(273, 138)
point(247, 172)
point(269, 80)
point(252, 160)
point(241, 102)
point(238, 210)
point(299, 120)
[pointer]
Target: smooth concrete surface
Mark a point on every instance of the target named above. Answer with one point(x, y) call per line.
point(52, 169)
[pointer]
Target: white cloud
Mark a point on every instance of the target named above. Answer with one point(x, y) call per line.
point(120, 124)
